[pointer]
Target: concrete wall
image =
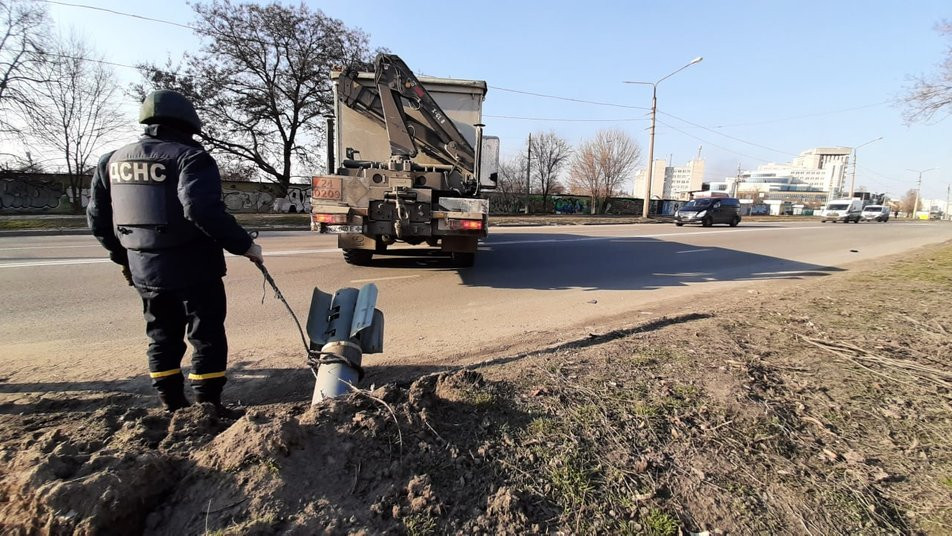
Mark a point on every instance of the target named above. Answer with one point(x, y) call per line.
point(37, 193)
point(49, 194)
point(42, 193)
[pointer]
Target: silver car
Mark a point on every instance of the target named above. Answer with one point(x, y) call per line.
point(875, 213)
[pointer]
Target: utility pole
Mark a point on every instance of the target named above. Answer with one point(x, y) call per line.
point(654, 112)
point(915, 207)
point(528, 167)
point(646, 206)
point(736, 187)
point(948, 190)
point(853, 175)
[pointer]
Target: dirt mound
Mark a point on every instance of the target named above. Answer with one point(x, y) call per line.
point(371, 462)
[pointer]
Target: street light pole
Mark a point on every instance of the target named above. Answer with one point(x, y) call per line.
point(915, 208)
point(654, 112)
point(646, 206)
point(853, 177)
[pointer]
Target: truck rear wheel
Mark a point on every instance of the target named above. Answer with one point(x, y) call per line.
point(463, 259)
point(358, 257)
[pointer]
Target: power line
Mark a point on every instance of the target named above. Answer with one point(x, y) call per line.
point(534, 94)
point(711, 143)
point(564, 119)
point(728, 135)
point(114, 12)
point(805, 116)
point(569, 99)
point(81, 58)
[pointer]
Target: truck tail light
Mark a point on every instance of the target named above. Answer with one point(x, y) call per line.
point(464, 225)
point(330, 218)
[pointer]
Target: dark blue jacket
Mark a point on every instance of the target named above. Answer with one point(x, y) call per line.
point(156, 206)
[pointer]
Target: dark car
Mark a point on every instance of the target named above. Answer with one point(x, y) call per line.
point(708, 211)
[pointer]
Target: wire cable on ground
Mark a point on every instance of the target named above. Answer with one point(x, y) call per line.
point(315, 358)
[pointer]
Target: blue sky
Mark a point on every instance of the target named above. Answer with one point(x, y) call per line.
point(777, 78)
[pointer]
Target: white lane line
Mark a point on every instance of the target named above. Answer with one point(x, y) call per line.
point(655, 235)
point(374, 279)
point(290, 252)
point(51, 247)
point(58, 262)
point(78, 261)
point(694, 250)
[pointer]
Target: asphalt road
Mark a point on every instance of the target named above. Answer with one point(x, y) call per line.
point(67, 320)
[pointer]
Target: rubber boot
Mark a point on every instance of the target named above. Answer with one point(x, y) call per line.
point(214, 398)
point(173, 400)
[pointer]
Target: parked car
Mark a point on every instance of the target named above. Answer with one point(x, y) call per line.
point(844, 210)
point(708, 211)
point(875, 213)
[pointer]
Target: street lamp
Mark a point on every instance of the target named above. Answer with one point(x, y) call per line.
point(853, 177)
point(654, 111)
point(915, 207)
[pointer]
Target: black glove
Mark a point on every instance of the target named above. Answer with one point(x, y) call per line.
point(127, 274)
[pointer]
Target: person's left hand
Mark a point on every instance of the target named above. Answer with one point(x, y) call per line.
point(127, 274)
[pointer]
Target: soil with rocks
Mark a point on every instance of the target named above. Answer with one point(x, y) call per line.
point(823, 407)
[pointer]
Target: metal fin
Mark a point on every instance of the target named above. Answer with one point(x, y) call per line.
point(364, 310)
point(317, 318)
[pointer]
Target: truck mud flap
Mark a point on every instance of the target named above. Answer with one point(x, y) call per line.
point(459, 244)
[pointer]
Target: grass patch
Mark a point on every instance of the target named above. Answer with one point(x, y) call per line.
point(420, 525)
point(23, 224)
point(933, 268)
point(658, 523)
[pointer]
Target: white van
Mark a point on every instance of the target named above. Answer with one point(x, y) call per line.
point(876, 213)
point(844, 210)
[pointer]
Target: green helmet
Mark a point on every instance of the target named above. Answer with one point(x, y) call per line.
point(165, 105)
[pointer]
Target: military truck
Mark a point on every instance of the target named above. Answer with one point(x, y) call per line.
point(407, 160)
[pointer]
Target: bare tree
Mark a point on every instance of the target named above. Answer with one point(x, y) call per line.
point(908, 203)
point(73, 111)
point(931, 94)
point(261, 82)
point(22, 30)
point(550, 155)
point(602, 165)
point(511, 186)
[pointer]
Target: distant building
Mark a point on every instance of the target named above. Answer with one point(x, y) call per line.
point(812, 178)
point(671, 182)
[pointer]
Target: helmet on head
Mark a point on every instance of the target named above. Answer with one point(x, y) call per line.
point(169, 107)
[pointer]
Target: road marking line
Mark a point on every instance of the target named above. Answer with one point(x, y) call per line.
point(373, 279)
point(62, 262)
point(77, 261)
point(51, 247)
point(290, 252)
point(694, 250)
point(655, 235)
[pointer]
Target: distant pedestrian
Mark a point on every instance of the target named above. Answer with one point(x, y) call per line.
point(156, 206)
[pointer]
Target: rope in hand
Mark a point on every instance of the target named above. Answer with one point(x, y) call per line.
point(315, 358)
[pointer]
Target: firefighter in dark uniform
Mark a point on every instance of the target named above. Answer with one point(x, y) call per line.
point(156, 206)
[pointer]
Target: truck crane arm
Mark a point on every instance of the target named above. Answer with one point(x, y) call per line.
point(395, 85)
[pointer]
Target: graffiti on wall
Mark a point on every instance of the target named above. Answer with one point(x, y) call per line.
point(300, 198)
point(571, 205)
point(247, 200)
point(506, 204)
point(256, 197)
point(22, 194)
point(51, 194)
